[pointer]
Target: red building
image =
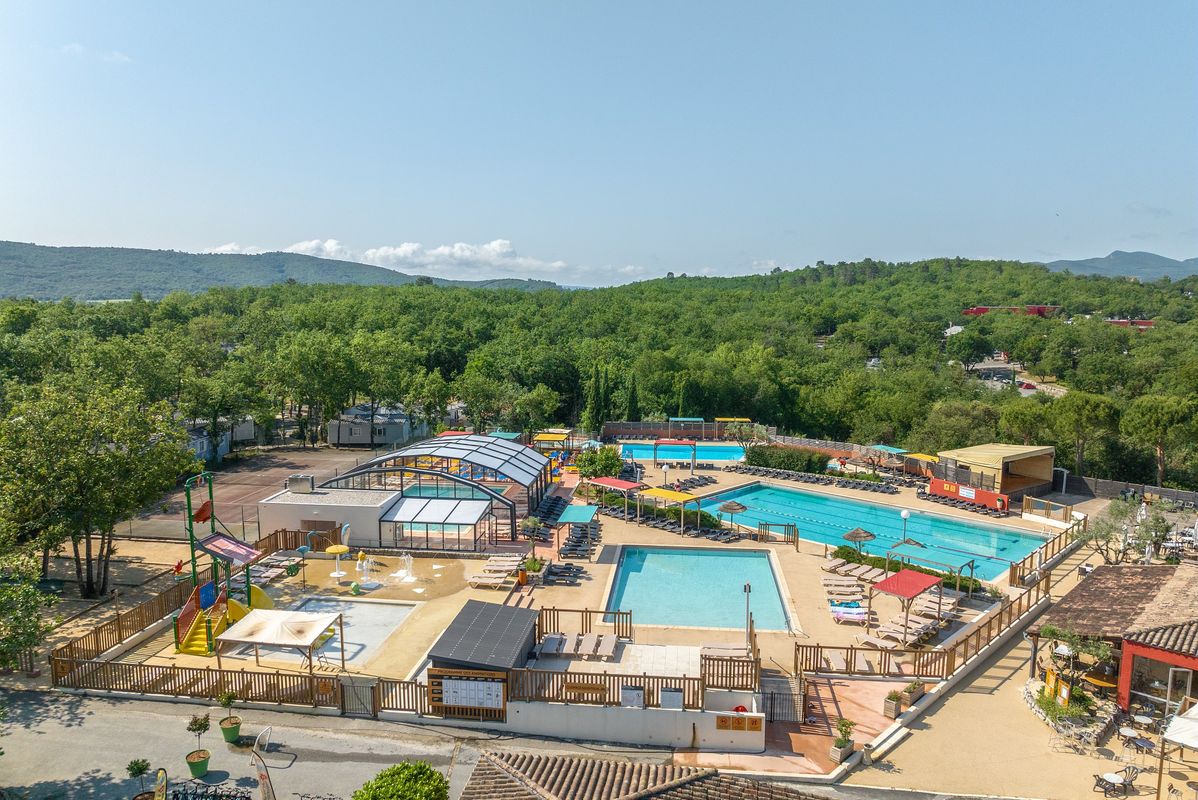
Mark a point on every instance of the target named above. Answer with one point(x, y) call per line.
point(1035, 311)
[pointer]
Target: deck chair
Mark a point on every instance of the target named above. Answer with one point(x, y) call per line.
point(570, 646)
point(551, 645)
point(586, 647)
point(833, 564)
point(487, 581)
point(606, 649)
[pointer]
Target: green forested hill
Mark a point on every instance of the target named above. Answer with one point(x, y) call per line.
point(1140, 265)
point(108, 273)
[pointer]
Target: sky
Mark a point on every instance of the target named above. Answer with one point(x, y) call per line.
point(600, 143)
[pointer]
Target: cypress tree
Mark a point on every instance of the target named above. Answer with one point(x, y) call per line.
point(633, 412)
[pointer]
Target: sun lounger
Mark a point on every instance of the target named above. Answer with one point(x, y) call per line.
point(838, 580)
point(489, 581)
point(607, 647)
point(841, 590)
point(570, 646)
point(500, 568)
point(878, 644)
point(835, 661)
point(833, 564)
point(873, 575)
point(551, 645)
point(586, 647)
point(858, 616)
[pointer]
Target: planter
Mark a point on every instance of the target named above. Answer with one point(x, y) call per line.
point(230, 729)
point(197, 763)
point(909, 697)
point(840, 754)
point(538, 577)
point(892, 708)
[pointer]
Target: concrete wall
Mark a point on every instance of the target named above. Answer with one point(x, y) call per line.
point(363, 520)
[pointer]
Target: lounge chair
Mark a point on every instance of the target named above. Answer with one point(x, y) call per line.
point(871, 641)
point(606, 649)
point(722, 650)
point(489, 581)
point(570, 646)
point(855, 615)
point(586, 647)
point(836, 591)
point(833, 564)
point(551, 645)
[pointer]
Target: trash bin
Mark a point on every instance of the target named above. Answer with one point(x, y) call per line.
point(867, 755)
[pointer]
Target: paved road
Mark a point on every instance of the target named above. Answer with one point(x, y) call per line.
point(63, 746)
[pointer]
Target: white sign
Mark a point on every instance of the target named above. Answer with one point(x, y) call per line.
point(967, 492)
point(471, 694)
point(632, 696)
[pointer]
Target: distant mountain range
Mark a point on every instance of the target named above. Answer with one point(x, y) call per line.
point(111, 273)
point(1144, 266)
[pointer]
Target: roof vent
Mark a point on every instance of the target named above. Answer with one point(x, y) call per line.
point(301, 484)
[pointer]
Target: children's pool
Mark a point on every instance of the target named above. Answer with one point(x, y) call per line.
point(673, 452)
point(697, 587)
point(367, 626)
point(827, 518)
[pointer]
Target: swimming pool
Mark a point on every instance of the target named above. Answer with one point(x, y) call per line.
point(673, 452)
point(367, 626)
point(826, 518)
point(697, 587)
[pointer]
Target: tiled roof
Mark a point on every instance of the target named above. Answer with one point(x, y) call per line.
point(1181, 638)
point(524, 776)
point(1109, 600)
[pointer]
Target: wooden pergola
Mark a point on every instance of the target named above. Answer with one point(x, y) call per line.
point(671, 496)
point(691, 443)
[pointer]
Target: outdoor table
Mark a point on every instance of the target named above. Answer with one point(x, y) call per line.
point(1128, 733)
point(1113, 777)
point(1142, 720)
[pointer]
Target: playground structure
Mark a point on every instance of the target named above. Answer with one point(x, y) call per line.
point(213, 606)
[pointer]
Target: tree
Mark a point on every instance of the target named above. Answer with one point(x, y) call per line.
point(604, 462)
point(1079, 417)
point(632, 412)
point(592, 413)
point(74, 462)
point(386, 367)
point(1067, 663)
point(431, 396)
point(534, 408)
point(967, 347)
point(1109, 535)
point(486, 399)
point(1024, 418)
point(138, 768)
point(1157, 421)
point(411, 780)
point(22, 624)
point(746, 434)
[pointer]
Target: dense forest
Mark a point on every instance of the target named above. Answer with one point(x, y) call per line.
point(846, 351)
point(116, 273)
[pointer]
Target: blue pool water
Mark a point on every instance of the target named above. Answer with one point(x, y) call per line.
point(702, 588)
point(705, 452)
point(825, 518)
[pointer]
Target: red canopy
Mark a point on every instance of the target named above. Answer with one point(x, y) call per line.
point(680, 442)
point(453, 433)
point(615, 483)
point(907, 584)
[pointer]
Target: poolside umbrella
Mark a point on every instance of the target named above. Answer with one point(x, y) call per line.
point(859, 535)
point(732, 508)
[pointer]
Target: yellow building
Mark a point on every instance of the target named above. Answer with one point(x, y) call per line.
point(1011, 467)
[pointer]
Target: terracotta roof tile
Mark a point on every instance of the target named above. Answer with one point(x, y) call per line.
point(1181, 638)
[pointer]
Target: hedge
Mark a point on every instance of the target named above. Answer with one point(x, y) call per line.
point(849, 553)
point(796, 459)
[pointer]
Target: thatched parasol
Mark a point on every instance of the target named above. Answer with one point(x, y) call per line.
point(859, 535)
point(732, 508)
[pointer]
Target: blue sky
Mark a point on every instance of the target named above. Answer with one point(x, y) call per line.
point(603, 143)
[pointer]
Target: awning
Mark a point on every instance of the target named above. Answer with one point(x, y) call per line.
point(550, 437)
point(1183, 730)
point(675, 443)
point(924, 457)
point(578, 514)
point(453, 433)
point(509, 435)
point(885, 448)
point(733, 419)
point(229, 550)
point(614, 483)
point(437, 511)
point(906, 584)
point(927, 555)
point(670, 495)
point(687, 419)
point(271, 626)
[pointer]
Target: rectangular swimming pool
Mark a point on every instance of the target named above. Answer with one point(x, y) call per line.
point(826, 518)
point(673, 452)
point(697, 587)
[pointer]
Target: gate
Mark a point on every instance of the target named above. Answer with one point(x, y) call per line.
point(360, 696)
point(782, 700)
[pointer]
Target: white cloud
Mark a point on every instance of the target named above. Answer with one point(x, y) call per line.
point(458, 261)
point(72, 49)
point(77, 50)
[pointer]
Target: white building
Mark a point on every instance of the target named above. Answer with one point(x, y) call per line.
point(392, 426)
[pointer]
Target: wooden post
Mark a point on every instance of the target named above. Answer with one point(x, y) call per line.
point(341, 623)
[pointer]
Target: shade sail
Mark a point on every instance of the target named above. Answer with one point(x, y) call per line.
point(509, 435)
point(733, 419)
point(686, 419)
point(550, 437)
point(615, 483)
point(578, 514)
point(924, 555)
point(885, 448)
point(924, 457)
point(906, 584)
point(1183, 730)
point(670, 495)
point(437, 511)
point(271, 626)
point(228, 549)
point(675, 442)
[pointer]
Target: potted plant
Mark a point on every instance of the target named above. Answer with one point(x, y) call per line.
point(139, 768)
point(197, 760)
point(912, 692)
point(230, 726)
point(893, 705)
point(534, 567)
point(842, 745)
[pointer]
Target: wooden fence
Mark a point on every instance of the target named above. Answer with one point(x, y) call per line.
point(550, 620)
point(403, 696)
point(109, 634)
point(932, 663)
point(598, 688)
point(282, 540)
point(1017, 573)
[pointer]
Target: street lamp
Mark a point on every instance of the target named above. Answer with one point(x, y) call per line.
point(906, 515)
point(748, 593)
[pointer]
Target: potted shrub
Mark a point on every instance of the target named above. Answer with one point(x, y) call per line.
point(230, 726)
point(842, 745)
point(534, 567)
point(894, 704)
point(912, 692)
point(197, 760)
point(139, 768)
point(406, 781)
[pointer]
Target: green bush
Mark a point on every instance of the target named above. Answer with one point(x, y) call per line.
point(1080, 704)
point(798, 459)
point(849, 553)
point(411, 780)
point(648, 511)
